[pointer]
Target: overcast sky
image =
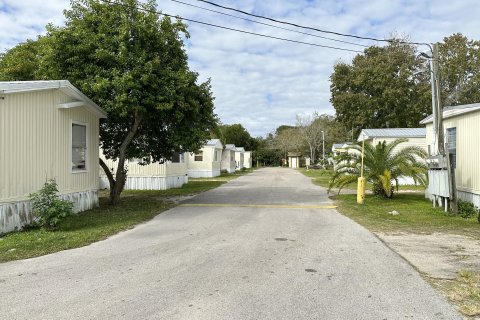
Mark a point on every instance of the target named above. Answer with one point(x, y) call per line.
point(263, 83)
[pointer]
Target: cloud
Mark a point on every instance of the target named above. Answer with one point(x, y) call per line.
point(263, 83)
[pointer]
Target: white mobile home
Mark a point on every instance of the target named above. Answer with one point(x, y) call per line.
point(416, 137)
point(154, 176)
point(228, 158)
point(462, 135)
point(247, 159)
point(206, 162)
point(239, 157)
point(48, 130)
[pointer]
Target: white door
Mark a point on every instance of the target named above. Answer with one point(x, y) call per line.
point(294, 163)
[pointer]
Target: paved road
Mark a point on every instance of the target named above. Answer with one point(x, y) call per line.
point(219, 257)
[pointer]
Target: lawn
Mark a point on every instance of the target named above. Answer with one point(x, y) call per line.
point(322, 178)
point(417, 215)
point(97, 224)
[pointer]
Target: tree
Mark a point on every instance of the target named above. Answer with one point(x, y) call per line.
point(22, 62)
point(381, 88)
point(382, 164)
point(460, 70)
point(134, 65)
point(235, 134)
point(287, 139)
point(310, 129)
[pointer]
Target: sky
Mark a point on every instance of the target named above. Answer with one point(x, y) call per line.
point(264, 83)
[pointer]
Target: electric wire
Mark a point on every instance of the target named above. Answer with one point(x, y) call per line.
point(231, 29)
point(306, 27)
point(269, 25)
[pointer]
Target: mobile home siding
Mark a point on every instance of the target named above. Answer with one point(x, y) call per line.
point(37, 142)
point(208, 167)
point(35, 145)
point(467, 172)
point(154, 176)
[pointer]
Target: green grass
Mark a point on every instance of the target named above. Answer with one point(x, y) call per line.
point(417, 215)
point(97, 224)
point(225, 176)
point(322, 178)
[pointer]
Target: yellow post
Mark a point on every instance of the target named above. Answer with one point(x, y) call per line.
point(361, 181)
point(361, 190)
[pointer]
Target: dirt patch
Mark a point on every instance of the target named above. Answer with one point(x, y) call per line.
point(437, 255)
point(176, 199)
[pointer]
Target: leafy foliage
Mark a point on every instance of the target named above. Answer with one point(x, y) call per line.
point(467, 209)
point(383, 163)
point(235, 134)
point(381, 88)
point(48, 207)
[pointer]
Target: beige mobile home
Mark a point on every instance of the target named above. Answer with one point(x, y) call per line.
point(247, 159)
point(239, 157)
point(48, 130)
point(207, 161)
point(154, 176)
point(462, 135)
point(228, 158)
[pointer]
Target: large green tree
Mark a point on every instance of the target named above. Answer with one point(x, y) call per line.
point(133, 63)
point(23, 62)
point(235, 134)
point(460, 70)
point(381, 88)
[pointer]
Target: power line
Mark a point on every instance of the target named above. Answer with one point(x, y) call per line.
point(270, 25)
point(231, 29)
point(305, 27)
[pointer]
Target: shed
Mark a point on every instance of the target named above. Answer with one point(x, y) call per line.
point(48, 130)
point(247, 159)
point(206, 162)
point(239, 157)
point(153, 176)
point(228, 158)
point(462, 135)
point(294, 159)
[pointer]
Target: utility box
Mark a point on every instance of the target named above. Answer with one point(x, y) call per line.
point(438, 183)
point(437, 162)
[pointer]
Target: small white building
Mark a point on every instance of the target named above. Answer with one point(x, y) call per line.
point(462, 135)
point(206, 163)
point(416, 137)
point(339, 148)
point(247, 159)
point(239, 157)
point(48, 130)
point(294, 160)
point(154, 176)
point(228, 158)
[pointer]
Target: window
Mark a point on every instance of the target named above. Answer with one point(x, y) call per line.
point(216, 155)
point(199, 156)
point(79, 147)
point(452, 146)
point(177, 157)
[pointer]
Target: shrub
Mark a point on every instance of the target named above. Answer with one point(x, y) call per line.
point(467, 209)
point(224, 171)
point(243, 169)
point(48, 207)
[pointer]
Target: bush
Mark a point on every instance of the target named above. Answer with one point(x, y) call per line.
point(224, 171)
point(243, 169)
point(467, 209)
point(48, 207)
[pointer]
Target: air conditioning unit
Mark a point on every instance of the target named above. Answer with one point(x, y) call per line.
point(437, 162)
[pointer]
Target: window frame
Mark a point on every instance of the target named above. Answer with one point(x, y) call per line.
point(452, 155)
point(87, 143)
point(198, 154)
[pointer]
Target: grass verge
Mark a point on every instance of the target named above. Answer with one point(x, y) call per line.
point(97, 224)
point(416, 215)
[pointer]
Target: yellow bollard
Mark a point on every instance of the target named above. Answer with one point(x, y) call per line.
point(361, 190)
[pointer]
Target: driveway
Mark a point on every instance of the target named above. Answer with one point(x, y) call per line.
point(264, 246)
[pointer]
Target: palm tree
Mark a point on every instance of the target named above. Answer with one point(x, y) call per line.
point(382, 165)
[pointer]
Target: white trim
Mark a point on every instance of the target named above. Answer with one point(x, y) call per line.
point(87, 153)
point(69, 105)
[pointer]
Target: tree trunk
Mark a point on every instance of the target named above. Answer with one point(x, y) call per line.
point(121, 174)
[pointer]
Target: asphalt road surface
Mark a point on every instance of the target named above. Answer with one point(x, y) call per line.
point(264, 246)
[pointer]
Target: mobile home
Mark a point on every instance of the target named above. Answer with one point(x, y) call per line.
point(206, 162)
point(228, 158)
point(239, 157)
point(48, 130)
